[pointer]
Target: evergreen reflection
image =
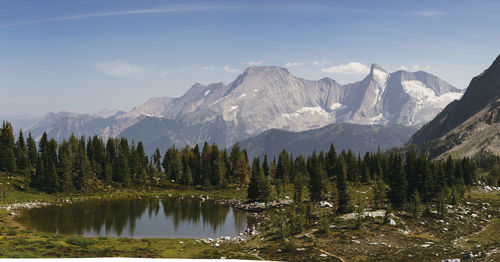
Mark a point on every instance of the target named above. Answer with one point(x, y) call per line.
point(122, 217)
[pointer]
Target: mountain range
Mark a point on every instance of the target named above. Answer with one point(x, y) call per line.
point(468, 126)
point(260, 99)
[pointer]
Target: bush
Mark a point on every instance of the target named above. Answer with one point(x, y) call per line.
point(12, 232)
point(81, 241)
point(289, 245)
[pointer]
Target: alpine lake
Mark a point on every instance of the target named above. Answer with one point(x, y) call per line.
point(141, 217)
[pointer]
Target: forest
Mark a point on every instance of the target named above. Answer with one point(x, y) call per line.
point(79, 164)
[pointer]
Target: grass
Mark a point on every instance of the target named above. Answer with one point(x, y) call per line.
point(17, 242)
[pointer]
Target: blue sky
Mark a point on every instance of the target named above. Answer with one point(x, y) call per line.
point(86, 55)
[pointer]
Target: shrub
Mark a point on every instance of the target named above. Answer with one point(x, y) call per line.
point(81, 241)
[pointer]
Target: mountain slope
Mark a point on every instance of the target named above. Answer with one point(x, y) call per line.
point(469, 125)
point(263, 98)
point(359, 138)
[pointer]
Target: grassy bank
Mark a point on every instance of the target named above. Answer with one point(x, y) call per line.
point(326, 238)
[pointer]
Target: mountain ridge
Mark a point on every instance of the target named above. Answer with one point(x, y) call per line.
point(469, 125)
point(266, 97)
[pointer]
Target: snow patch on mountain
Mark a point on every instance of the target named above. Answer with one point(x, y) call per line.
point(335, 106)
point(425, 96)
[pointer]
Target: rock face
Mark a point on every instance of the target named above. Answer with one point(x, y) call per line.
point(470, 125)
point(263, 98)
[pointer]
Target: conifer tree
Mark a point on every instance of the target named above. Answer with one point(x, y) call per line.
point(21, 153)
point(380, 189)
point(301, 179)
point(7, 155)
point(32, 151)
point(398, 183)
point(317, 179)
point(255, 180)
point(343, 196)
point(157, 160)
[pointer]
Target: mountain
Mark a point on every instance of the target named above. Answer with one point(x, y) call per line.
point(19, 121)
point(470, 125)
point(359, 138)
point(263, 98)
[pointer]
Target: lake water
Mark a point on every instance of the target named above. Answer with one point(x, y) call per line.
point(138, 218)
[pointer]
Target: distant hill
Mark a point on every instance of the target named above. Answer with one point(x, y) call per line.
point(359, 138)
point(470, 125)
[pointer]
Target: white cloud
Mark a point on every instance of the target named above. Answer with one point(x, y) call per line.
point(420, 68)
point(120, 69)
point(320, 63)
point(208, 68)
point(254, 63)
point(428, 13)
point(414, 68)
point(229, 69)
point(351, 68)
point(163, 73)
point(293, 64)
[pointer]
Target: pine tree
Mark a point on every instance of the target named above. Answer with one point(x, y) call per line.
point(255, 181)
point(415, 203)
point(283, 168)
point(157, 160)
point(317, 179)
point(398, 183)
point(301, 179)
point(32, 151)
point(379, 191)
point(21, 153)
point(343, 196)
point(7, 155)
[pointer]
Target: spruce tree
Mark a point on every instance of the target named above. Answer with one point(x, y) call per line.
point(21, 153)
point(343, 197)
point(7, 155)
point(398, 183)
point(32, 151)
point(255, 181)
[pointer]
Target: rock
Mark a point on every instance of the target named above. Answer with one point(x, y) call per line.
point(487, 188)
point(323, 255)
point(425, 245)
point(217, 245)
point(451, 260)
point(181, 242)
point(356, 241)
point(324, 204)
point(392, 222)
point(278, 251)
point(473, 215)
point(301, 249)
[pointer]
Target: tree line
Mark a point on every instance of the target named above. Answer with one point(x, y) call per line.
point(75, 165)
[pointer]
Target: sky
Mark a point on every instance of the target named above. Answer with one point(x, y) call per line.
point(84, 56)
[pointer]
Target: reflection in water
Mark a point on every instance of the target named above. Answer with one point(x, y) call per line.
point(138, 217)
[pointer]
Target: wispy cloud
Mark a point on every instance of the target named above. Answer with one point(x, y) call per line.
point(428, 13)
point(293, 64)
point(415, 68)
point(254, 63)
point(229, 69)
point(208, 68)
point(198, 7)
point(159, 10)
point(351, 68)
point(163, 74)
point(120, 69)
point(320, 63)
